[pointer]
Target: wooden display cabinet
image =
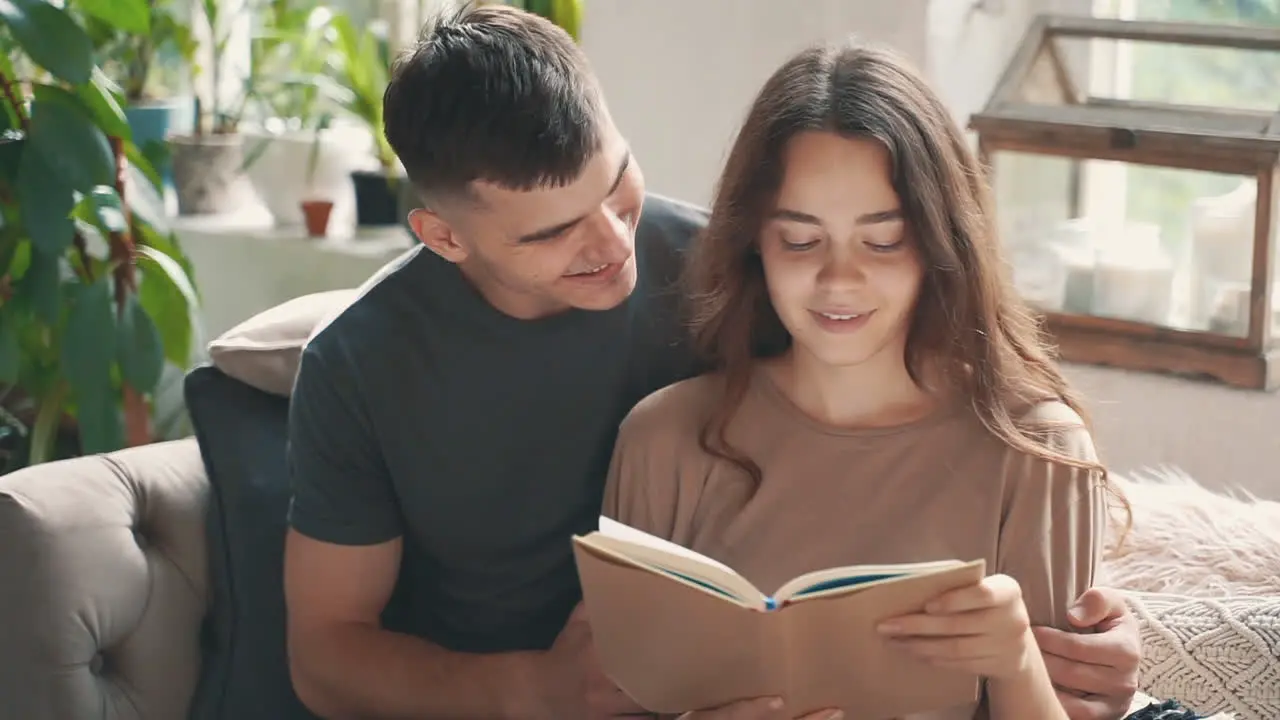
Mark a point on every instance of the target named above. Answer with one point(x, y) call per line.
point(1135, 169)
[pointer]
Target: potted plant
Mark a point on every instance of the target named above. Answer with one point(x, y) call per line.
point(363, 62)
point(293, 94)
point(96, 297)
point(316, 207)
point(208, 162)
point(143, 51)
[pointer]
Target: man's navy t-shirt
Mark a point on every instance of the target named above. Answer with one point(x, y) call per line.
point(483, 441)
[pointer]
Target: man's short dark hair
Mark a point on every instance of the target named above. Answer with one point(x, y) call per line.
point(493, 94)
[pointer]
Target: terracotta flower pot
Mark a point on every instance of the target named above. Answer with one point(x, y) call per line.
point(316, 214)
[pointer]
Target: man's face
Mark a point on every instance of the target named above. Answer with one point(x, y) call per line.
point(539, 252)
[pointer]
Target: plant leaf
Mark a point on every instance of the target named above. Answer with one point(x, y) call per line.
point(131, 16)
point(46, 200)
point(50, 37)
point(64, 132)
point(11, 115)
point(102, 208)
point(88, 354)
point(101, 427)
point(139, 349)
point(144, 200)
point(165, 292)
point(173, 268)
point(43, 285)
point(9, 351)
point(10, 238)
point(12, 144)
point(100, 100)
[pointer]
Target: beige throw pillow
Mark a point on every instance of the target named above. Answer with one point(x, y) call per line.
point(264, 350)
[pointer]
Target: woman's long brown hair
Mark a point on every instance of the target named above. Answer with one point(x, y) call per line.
point(968, 324)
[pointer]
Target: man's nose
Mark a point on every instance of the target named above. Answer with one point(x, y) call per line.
point(611, 237)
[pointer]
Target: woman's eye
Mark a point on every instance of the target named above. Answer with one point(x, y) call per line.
point(795, 244)
point(885, 247)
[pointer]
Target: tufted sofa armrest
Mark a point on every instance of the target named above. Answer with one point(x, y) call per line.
point(103, 585)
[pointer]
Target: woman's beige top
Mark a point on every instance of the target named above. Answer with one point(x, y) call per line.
point(941, 487)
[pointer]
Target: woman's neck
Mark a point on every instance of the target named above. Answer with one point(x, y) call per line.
point(876, 393)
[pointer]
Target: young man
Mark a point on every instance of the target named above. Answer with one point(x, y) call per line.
point(451, 430)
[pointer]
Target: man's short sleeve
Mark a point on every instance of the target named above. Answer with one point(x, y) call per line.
point(342, 491)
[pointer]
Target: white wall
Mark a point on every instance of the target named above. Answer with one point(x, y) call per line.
point(680, 74)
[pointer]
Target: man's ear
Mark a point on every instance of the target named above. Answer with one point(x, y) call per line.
point(437, 235)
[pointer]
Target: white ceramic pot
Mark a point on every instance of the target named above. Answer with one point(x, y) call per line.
point(278, 170)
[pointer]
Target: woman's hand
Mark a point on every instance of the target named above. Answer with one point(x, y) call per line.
point(757, 709)
point(982, 629)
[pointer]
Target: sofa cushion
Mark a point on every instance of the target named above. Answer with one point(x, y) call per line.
point(242, 433)
point(103, 585)
point(263, 351)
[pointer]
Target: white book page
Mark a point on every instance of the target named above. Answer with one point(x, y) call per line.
point(614, 529)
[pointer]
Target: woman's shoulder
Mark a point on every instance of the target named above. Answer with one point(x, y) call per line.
point(673, 414)
point(1060, 427)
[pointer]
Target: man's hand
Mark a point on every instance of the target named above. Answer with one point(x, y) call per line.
point(757, 709)
point(1096, 672)
point(575, 685)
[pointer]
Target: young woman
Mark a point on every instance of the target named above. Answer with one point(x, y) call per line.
point(880, 394)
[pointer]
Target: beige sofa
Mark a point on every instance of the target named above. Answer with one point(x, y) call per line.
point(104, 572)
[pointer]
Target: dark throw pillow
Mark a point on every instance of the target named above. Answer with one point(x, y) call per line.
point(242, 433)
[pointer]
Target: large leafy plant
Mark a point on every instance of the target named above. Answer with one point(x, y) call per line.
point(131, 48)
point(95, 294)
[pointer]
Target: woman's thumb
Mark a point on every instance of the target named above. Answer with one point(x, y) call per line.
point(1092, 608)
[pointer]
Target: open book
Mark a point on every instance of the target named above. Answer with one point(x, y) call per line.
point(678, 631)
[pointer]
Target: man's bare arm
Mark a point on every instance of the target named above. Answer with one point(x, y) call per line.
point(1096, 670)
point(344, 665)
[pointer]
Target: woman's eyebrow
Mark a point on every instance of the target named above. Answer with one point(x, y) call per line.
point(866, 219)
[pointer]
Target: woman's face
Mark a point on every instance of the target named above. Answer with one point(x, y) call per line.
point(842, 269)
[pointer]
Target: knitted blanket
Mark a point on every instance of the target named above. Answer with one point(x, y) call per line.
point(1214, 655)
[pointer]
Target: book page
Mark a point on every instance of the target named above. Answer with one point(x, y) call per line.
point(677, 560)
point(614, 529)
point(855, 577)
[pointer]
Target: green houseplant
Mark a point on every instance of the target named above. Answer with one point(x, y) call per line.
point(363, 62)
point(207, 162)
point(146, 55)
point(96, 298)
point(297, 99)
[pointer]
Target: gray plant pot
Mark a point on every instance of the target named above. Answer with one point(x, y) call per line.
point(205, 171)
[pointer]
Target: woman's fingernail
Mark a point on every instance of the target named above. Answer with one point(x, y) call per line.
point(889, 626)
point(775, 703)
point(836, 715)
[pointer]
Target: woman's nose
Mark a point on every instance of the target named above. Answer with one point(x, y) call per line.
point(843, 267)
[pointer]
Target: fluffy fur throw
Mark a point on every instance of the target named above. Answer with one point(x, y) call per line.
point(1187, 540)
